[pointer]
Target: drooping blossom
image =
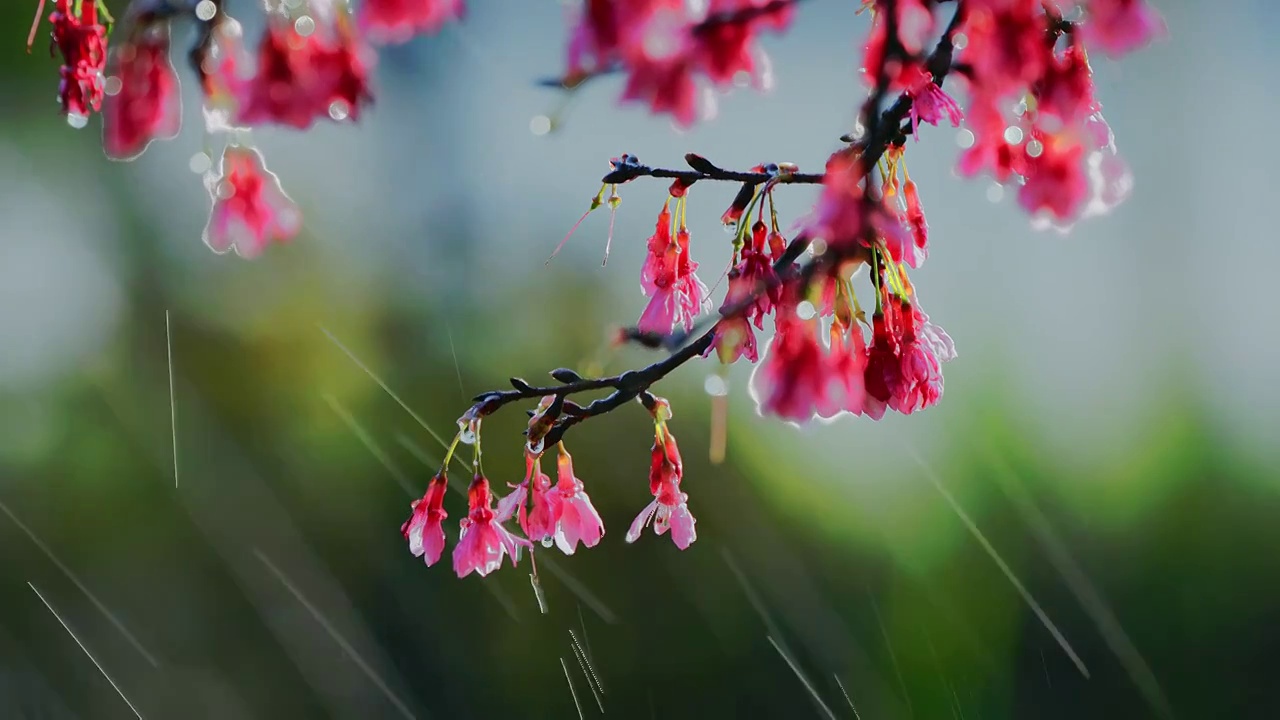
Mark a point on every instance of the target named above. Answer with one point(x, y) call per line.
point(300, 78)
point(148, 103)
point(250, 210)
point(792, 378)
point(919, 368)
point(1056, 181)
point(914, 22)
point(845, 388)
point(539, 523)
point(669, 509)
point(1006, 46)
point(82, 41)
point(882, 374)
point(424, 529)
point(753, 292)
point(666, 46)
point(676, 295)
point(917, 251)
point(578, 521)
point(929, 102)
point(1118, 27)
point(1065, 91)
point(483, 541)
point(391, 22)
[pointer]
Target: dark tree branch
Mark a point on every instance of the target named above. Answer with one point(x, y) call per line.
point(886, 130)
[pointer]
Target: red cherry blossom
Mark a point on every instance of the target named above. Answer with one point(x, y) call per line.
point(250, 210)
point(391, 22)
point(845, 389)
point(424, 529)
point(483, 541)
point(324, 74)
point(919, 375)
point(792, 378)
point(578, 521)
point(148, 105)
point(928, 101)
point(82, 41)
point(676, 295)
point(669, 509)
point(1056, 181)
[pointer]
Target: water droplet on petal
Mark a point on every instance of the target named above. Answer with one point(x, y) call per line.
point(731, 228)
point(304, 25)
point(547, 542)
point(76, 120)
point(338, 110)
point(206, 9)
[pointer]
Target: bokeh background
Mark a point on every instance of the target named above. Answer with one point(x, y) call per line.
point(1087, 526)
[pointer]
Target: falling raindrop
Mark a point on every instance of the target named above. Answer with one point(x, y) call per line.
point(206, 9)
point(76, 120)
point(338, 110)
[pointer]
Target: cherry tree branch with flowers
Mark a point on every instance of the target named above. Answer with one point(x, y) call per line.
point(1031, 117)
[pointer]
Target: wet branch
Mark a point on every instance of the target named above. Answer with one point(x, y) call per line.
point(883, 130)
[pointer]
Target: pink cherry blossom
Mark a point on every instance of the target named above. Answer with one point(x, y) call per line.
point(578, 520)
point(424, 529)
point(845, 390)
point(391, 22)
point(483, 541)
point(792, 378)
point(676, 295)
point(250, 210)
point(1056, 181)
point(148, 105)
point(929, 103)
point(669, 509)
point(1118, 27)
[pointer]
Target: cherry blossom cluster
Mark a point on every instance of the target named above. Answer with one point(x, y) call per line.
point(1022, 95)
point(313, 63)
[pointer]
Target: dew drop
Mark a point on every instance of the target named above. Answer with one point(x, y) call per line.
point(540, 125)
point(206, 9)
point(77, 121)
point(965, 138)
point(1034, 148)
point(466, 436)
point(1013, 134)
point(304, 26)
point(715, 386)
point(547, 542)
point(199, 163)
point(112, 85)
point(995, 193)
point(805, 310)
point(731, 228)
point(338, 110)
